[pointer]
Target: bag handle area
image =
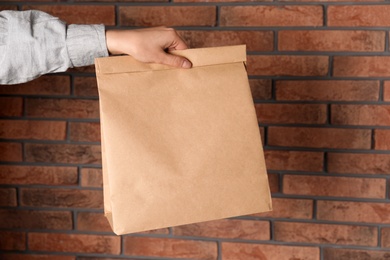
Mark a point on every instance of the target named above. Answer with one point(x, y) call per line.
point(199, 57)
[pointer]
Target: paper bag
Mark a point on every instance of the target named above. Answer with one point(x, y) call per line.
point(179, 146)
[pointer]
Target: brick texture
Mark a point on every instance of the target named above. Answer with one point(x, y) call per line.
point(361, 66)
point(326, 233)
point(287, 65)
point(61, 198)
point(168, 16)
point(291, 113)
point(158, 247)
point(63, 153)
point(45, 85)
point(28, 129)
point(28, 219)
point(360, 114)
point(231, 228)
point(357, 163)
point(11, 106)
point(8, 197)
point(347, 41)
point(79, 14)
point(319, 75)
point(254, 40)
point(13, 241)
point(334, 186)
point(289, 208)
point(346, 211)
point(327, 90)
point(53, 242)
point(359, 15)
point(271, 16)
point(314, 137)
point(346, 254)
point(38, 175)
point(294, 160)
point(241, 251)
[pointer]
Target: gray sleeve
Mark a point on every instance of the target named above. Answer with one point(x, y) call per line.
point(33, 43)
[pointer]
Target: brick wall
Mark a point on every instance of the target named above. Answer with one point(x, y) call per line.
point(320, 78)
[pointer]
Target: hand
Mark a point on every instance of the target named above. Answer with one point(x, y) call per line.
point(148, 45)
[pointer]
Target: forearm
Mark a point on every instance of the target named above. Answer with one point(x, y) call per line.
point(35, 43)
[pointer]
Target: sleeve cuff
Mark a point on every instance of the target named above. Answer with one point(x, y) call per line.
point(85, 43)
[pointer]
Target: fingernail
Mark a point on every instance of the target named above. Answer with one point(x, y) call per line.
point(186, 64)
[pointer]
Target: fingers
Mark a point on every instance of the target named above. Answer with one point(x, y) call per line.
point(175, 61)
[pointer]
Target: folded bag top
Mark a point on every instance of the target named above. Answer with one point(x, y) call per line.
point(179, 146)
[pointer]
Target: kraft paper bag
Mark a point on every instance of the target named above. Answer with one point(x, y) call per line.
point(179, 146)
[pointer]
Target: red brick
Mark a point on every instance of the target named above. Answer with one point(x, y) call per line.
point(217, 1)
point(167, 247)
point(254, 40)
point(45, 85)
point(289, 208)
point(347, 211)
point(99, 258)
point(87, 132)
point(334, 186)
point(242, 251)
point(386, 91)
point(294, 160)
point(97, 222)
point(85, 87)
point(335, 138)
point(11, 106)
point(10, 240)
point(29, 219)
point(14, 174)
point(385, 237)
point(359, 15)
point(167, 15)
point(287, 65)
point(89, 221)
point(291, 113)
point(326, 234)
point(8, 197)
point(62, 108)
point(29, 129)
point(63, 153)
point(382, 139)
point(321, 1)
point(355, 254)
point(74, 243)
point(359, 163)
point(9, 7)
point(227, 228)
point(361, 66)
point(62, 198)
point(327, 90)
point(10, 152)
point(35, 257)
point(261, 89)
point(91, 177)
point(345, 41)
point(289, 15)
point(360, 114)
point(79, 14)
point(273, 180)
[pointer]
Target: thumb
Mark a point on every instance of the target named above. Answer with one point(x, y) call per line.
point(175, 61)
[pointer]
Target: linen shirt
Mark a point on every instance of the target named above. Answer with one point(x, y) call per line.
point(33, 43)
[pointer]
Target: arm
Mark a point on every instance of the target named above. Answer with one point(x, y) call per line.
point(33, 43)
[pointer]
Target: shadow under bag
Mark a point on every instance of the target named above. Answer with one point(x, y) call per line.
point(179, 146)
